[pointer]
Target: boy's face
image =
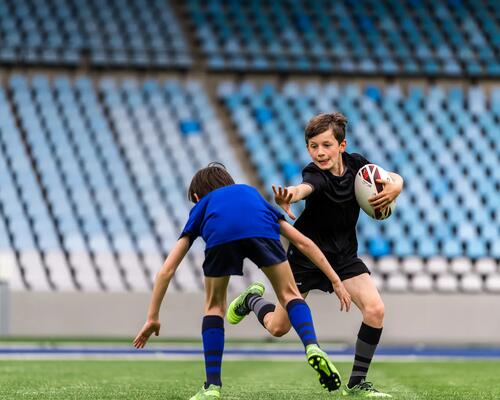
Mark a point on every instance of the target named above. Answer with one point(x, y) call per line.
point(324, 150)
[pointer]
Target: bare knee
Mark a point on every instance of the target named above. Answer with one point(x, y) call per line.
point(278, 331)
point(374, 314)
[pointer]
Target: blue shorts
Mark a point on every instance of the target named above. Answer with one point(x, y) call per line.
point(227, 259)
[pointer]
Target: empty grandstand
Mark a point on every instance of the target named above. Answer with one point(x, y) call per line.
point(108, 108)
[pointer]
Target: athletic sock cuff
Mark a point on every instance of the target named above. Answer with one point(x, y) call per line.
point(264, 311)
point(212, 321)
point(369, 334)
point(293, 303)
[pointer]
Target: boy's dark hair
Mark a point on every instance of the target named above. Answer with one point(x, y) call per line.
point(322, 122)
point(212, 177)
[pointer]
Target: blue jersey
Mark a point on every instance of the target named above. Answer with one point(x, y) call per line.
point(231, 213)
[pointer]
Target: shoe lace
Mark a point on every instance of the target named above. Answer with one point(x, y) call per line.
point(368, 386)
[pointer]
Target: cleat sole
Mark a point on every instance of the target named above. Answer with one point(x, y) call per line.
point(328, 378)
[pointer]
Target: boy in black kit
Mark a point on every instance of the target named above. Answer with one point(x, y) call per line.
point(329, 219)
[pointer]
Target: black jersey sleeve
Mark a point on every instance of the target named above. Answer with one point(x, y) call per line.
point(314, 177)
point(359, 160)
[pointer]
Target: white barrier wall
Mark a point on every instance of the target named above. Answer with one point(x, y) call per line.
point(410, 318)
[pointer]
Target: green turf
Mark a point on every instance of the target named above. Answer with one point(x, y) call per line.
point(266, 380)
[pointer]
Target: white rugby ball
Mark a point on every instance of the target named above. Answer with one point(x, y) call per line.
point(366, 187)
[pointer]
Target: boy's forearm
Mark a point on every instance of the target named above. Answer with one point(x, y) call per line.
point(160, 288)
point(299, 192)
point(312, 251)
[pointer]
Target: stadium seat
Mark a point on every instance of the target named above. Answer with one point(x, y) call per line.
point(492, 283)
point(422, 283)
point(447, 283)
point(397, 282)
point(437, 265)
point(388, 265)
point(461, 265)
point(471, 283)
point(486, 266)
point(412, 265)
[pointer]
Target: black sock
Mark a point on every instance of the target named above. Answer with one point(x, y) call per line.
point(260, 306)
point(366, 345)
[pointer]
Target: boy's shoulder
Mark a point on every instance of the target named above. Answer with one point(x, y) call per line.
point(355, 160)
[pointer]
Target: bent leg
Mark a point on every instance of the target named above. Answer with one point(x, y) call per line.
point(365, 295)
point(277, 322)
point(299, 316)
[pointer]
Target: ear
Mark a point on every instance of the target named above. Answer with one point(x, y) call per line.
point(196, 197)
point(343, 145)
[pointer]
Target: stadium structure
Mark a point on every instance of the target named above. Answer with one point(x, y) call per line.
point(108, 108)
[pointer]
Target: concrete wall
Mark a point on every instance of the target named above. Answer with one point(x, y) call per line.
point(410, 318)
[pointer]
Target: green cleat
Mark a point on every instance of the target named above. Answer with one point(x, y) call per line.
point(328, 375)
point(211, 393)
point(238, 308)
point(364, 389)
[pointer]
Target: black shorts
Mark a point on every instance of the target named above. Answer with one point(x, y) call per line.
point(227, 259)
point(308, 279)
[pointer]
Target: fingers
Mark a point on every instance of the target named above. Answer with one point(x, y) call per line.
point(291, 214)
point(379, 201)
point(348, 304)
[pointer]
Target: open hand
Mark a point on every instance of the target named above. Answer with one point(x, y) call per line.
point(343, 295)
point(150, 327)
point(283, 198)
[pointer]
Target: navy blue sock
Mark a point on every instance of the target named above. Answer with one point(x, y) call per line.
point(212, 331)
point(301, 319)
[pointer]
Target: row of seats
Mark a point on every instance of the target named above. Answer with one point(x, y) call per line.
point(445, 147)
point(126, 34)
point(389, 37)
point(94, 177)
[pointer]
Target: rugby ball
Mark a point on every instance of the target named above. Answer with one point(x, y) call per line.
point(365, 187)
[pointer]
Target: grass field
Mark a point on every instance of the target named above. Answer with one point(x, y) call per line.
point(267, 380)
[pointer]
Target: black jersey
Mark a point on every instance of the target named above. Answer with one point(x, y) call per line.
point(331, 213)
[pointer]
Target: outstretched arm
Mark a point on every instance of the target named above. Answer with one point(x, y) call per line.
point(162, 281)
point(307, 247)
point(291, 194)
point(390, 192)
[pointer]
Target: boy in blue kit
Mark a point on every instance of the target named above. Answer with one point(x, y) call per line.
point(237, 223)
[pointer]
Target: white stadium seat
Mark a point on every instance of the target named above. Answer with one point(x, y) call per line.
point(34, 271)
point(447, 283)
point(387, 265)
point(85, 272)
point(471, 283)
point(10, 271)
point(412, 265)
point(422, 283)
point(59, 271)
point(397, 283)
point(109, 271)
point(437, 265)
point(493, 283)
point(486, 266)
point(461, 265)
